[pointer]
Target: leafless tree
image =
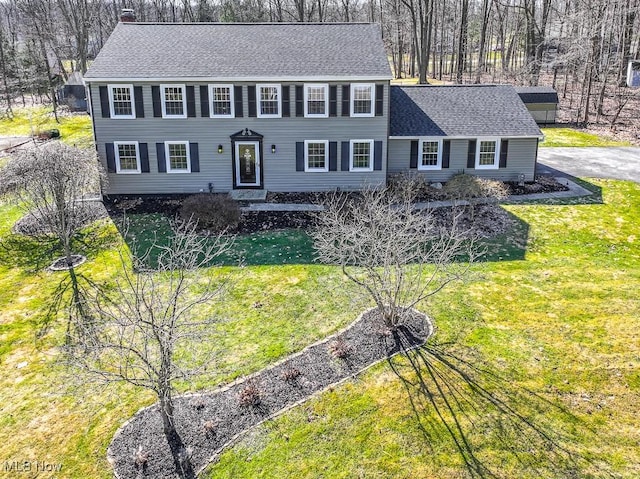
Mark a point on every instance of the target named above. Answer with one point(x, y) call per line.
point(148, 325)
point(398, 255)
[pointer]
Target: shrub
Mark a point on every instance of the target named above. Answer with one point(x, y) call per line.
point(290, 374)
point(250, 395)
point(209, 427)
point(412, 186)
point(339, 348)
point(213, 212)
point(466, 187)
point(141, 457)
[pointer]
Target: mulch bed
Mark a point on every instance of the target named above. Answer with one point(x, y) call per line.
point(211, 421)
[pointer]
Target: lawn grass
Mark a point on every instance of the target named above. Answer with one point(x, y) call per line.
point(551, 319)
point(556, 136)
point(75, 128)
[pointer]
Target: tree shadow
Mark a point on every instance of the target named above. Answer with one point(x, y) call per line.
point(493, 424)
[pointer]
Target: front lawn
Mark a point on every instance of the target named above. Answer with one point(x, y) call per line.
point(551, 338)
point(556, 136)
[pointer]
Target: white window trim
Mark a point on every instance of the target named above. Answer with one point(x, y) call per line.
point(231, 99)
point(168, 159)
point(496, 158)
point(372, 87)
point(421, 143)
point(259, 87)
point(133, 102)
point(371, 154)
point(325, 87)
point(163, 100)
point(306, 156)
point(116, 152)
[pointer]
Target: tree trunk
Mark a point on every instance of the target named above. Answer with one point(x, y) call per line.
point(179, 452)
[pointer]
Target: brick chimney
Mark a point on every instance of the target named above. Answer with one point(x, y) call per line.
point(127, 15)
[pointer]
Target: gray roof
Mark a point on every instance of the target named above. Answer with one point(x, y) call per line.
point(231, 51)
point(460, 110)
point(537, 94)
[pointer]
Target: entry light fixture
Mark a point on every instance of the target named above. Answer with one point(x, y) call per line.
point(273, 148)
point(220, 149)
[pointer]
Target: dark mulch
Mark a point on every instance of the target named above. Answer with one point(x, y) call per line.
point(543, 184)
point(61, 264)
point(207, 422)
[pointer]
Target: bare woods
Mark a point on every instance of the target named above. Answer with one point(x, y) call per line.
point(580, 47)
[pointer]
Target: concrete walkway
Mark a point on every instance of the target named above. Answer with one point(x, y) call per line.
point(574, 191)
point(620, 163)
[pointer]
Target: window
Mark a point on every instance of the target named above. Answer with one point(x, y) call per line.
point(487, 153)
point(174, 102)
point(121, 101)
point(362, 99)
point(221, 101)
point(269, 101)
point(177, 155)
point(431, 155)
point(315, 101)
point(316, 154)
point(127, 157)
point(361, 155)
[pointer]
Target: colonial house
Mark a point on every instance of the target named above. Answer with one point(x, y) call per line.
point(181, 108)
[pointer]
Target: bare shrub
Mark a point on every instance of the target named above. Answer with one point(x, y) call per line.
point(250, 395)
point(141, 457)
point(340, 349)
point(467, 187)
point(209, 427)
point(213, 212)
point(290, 374)
point(412, 186)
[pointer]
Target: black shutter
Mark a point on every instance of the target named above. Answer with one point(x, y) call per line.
point(471, 154)
point(299, 100)
point(346, 95)
point(204, 101)
point(504, 151)
point(286, 100)
point(299, 155)
point(111, 157)
point(251, 93)
point(377, 155)
point(379, 99)
point(139, 101)
point(446, 153)
point(344, 157)
point(333, 100)
point(191, 102)
point(413, 157)
point(237, 99)
point(104, 102)
point(162, 161)
point(157, 104)
point(333, 156)
point(195, 157)
point(144, 157)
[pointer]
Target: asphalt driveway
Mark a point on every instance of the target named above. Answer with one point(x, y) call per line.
point(621, 163)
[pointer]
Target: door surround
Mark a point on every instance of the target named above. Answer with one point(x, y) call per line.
point(247, 136)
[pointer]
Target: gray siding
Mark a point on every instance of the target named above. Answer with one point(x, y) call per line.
point(279, 169)
point(521, 159)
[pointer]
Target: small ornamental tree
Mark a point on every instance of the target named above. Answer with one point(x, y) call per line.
point(396, 254)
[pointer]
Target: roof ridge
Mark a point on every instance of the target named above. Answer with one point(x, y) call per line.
point(464, 85)
point(248, 23)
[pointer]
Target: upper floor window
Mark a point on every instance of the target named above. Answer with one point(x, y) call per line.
point(121, 101)
point(487, 154)
point(177, 156)
point(362, 98)
point(361, 155)
point(127, 156)
point(174, 101)
point(269, 99)
point(430, 155)
point(316, 100)
point(316, 155)
point(221, 101)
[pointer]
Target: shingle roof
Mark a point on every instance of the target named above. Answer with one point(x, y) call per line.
point(537, 94)
point(460, 110)
point(233, 51)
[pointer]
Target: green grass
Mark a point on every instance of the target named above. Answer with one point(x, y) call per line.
point(75, 128)
point(548, 327)
point(572, 137)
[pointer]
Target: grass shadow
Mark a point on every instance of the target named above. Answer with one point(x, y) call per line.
point(594, 198)
point(498, 429)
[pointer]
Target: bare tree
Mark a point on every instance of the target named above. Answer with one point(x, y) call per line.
point(147, 325)
point(397, 254)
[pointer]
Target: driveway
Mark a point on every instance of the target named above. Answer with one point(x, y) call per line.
point(621, 163)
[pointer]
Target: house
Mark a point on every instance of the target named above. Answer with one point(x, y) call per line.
point(182, 108)
point(541, 101)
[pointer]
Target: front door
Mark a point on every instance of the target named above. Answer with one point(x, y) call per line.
point(247, 163)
